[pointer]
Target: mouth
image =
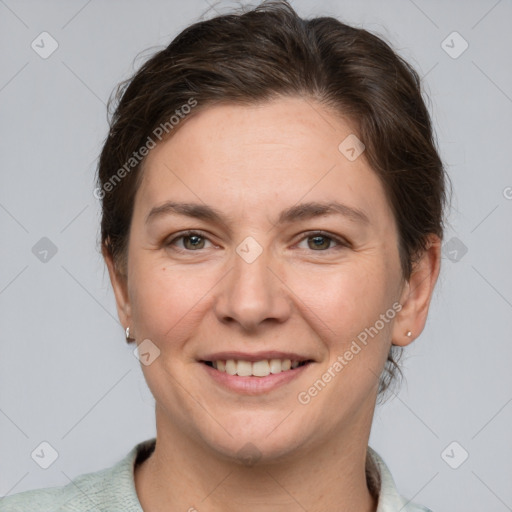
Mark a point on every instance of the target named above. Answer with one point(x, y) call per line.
point(259, 368)
point(254, 374)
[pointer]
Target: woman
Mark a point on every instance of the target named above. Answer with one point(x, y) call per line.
point(272, 216)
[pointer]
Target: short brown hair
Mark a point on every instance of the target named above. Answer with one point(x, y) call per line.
point(270, 52)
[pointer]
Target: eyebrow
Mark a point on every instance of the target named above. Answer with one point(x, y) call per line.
point(302, 211)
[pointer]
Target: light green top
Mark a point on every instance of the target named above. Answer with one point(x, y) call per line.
point(113, 490)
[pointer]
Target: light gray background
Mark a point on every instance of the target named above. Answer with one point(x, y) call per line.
point(67, 376)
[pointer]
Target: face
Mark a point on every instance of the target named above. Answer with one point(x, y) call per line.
point(270, 278)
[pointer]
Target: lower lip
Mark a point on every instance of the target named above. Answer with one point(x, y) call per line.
point(254, 385)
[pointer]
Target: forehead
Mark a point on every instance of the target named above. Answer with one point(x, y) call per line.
point(274, 153)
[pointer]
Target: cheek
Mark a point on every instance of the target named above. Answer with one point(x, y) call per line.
point(356, 306)
point(165, 299)
point(346, 299)
point(346, 308)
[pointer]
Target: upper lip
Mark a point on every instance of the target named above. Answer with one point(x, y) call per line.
point(255, 356)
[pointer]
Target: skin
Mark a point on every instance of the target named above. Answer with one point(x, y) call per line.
point(251, 163)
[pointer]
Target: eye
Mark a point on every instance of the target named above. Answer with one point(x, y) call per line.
point(321, 241)
point(192, 241)
point(318, 241)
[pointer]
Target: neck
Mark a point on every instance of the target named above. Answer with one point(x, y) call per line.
point(325, 478)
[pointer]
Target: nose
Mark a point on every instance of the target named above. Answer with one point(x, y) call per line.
point(252, 294)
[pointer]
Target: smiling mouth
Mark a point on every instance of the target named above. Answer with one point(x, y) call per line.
point(261, 368)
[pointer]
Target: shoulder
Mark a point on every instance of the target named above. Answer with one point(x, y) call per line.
point(112, 487)
point(390, 500)
point(81, 492)
point(414, 507)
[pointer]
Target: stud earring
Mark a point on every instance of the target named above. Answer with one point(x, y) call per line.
point(408, 334)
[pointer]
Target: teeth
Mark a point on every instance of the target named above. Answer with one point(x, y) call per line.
point(275, 366)
point(260, 369)
point(231, 367)
point(244, 368)
point(256, 369)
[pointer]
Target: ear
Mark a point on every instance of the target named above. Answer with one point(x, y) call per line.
point(417, 293)
point(119, 285)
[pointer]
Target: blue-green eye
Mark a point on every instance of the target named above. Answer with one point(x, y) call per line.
point(192, 241)
point(318, 241)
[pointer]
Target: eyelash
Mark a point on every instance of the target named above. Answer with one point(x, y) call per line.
point(310, 234)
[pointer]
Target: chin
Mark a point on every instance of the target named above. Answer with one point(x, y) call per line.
point(256, 438)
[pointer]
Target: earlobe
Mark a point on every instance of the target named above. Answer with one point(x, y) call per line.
point(417, 294)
